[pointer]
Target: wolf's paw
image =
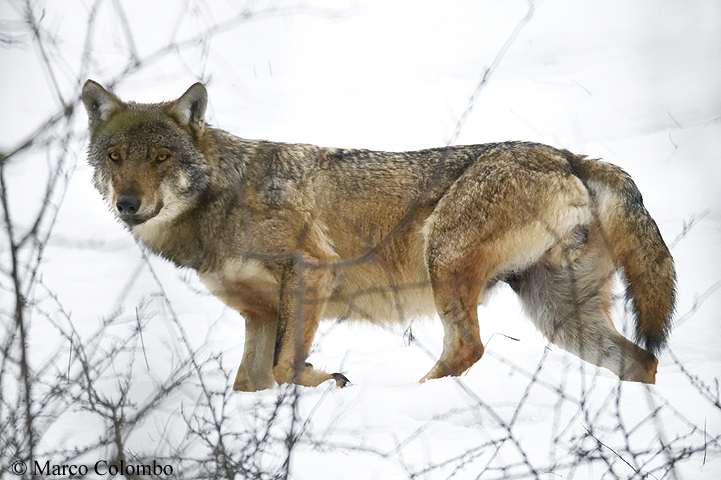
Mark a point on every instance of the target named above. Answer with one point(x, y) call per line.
point(340, 380)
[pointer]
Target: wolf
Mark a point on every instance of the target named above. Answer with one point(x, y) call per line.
point(290, 234)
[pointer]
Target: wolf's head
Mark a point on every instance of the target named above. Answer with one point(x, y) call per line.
point(148, 162)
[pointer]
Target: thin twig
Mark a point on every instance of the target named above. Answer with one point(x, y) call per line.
point(142, 341)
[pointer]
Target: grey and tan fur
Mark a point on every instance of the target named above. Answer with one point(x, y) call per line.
point(289, 235)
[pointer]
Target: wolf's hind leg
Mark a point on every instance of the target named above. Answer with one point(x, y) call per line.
point(462, 346)
point(570, 305)
point(457, 282)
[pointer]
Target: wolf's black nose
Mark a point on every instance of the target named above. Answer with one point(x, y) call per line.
point(128, 204)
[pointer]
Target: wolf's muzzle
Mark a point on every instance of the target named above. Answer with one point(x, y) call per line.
point(128, 204)
point(128, 207)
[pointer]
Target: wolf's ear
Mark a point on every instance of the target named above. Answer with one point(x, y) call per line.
point(189, 109)
point(99, 103)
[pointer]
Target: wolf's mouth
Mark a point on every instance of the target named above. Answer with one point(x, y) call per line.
point(133, 220)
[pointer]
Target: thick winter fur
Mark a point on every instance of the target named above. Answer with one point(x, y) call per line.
point(289, 235)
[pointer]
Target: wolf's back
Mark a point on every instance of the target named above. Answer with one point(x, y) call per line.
point(637, 247)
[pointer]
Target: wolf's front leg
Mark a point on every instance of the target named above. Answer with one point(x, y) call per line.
point(256, 368)
point(302, 301)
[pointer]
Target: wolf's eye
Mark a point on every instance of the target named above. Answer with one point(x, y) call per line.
point(114, 157)
point(161, 157)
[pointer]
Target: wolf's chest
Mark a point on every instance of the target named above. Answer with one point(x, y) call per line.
point(243, 284)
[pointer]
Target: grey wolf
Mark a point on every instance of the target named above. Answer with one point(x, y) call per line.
point(290, 234)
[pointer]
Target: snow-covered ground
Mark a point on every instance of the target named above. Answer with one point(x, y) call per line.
point(636, 83)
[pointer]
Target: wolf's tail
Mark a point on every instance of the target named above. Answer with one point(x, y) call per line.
point(637, 246)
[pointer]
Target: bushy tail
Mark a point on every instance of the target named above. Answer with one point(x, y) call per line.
point(637, 246)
